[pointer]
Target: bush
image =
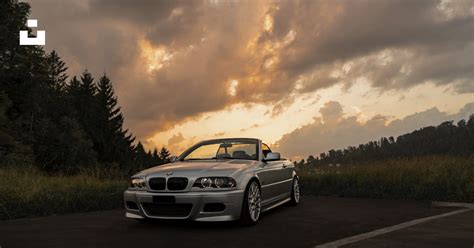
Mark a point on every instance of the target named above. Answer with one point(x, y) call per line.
point(440, 178)
point(28, 192)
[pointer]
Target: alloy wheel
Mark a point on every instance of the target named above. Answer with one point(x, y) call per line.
point(296, 190)
point(254, 201)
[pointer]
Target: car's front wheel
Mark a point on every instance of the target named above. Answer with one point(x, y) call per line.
point(251, 205)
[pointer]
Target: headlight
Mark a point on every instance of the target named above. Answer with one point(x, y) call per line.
point(138, 183)
point(214, 182)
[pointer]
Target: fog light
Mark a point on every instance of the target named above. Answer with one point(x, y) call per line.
point(131, 205)
point(214, 207)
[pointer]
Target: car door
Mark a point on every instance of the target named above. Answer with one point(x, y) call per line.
point(274, 178)
point(285, 180)
point(287, 177)
point(269, 180)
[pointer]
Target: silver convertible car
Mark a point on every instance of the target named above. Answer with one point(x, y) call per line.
point(214, 180)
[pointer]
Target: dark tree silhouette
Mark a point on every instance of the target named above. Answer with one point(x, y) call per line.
point(112, 142)
point(444, 139)
point(57, 72)
point(58, 126)
point(164, 155)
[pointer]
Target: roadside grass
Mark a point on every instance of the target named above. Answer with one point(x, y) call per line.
point(28, 192)
point(440, 178)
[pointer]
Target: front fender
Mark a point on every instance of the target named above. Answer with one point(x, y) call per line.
point(244, 179)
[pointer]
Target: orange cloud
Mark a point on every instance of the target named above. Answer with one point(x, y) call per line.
point(174, 61)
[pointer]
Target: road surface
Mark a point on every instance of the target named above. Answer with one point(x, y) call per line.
point(317, 220)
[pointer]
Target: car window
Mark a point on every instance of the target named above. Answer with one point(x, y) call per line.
point(238, 151)
point(204, 152)
point(223, 150)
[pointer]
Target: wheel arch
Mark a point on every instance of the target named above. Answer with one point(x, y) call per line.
point(254, 177)
point(246, 178)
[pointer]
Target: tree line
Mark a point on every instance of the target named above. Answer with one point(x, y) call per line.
point(60, 125)
point(444, 139)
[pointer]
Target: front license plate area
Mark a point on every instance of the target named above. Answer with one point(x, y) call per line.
point(170, 199)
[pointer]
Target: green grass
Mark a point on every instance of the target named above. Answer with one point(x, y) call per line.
point(426, 178)
point(28, 192)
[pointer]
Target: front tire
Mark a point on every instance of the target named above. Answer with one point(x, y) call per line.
point(251, 206)
point(295, 192)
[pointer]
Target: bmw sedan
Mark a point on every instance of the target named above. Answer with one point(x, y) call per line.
point(214, 180)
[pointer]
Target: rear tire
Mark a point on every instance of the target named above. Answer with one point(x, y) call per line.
point(251, 205)
point(295, 193)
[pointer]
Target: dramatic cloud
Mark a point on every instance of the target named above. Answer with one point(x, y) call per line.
point(172, 61)
point(333, 130)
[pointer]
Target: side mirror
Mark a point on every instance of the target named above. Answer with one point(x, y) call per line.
point(173, 159)
point(272, 156)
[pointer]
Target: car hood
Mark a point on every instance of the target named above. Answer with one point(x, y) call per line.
point(199, 168)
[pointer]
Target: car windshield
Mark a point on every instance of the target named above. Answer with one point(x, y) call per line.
point(224, 150)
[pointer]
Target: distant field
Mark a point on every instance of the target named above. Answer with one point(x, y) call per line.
point(427, 178)
point(28, 192)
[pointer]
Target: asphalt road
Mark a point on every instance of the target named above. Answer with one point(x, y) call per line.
point(316, 220)
point(453, 231)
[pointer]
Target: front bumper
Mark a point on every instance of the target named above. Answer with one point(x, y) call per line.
point(232, 200)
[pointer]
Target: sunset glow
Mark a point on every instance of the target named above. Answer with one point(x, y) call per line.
point(155, 57)
point(279, 71)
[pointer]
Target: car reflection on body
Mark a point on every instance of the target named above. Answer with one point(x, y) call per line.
point(214, 180)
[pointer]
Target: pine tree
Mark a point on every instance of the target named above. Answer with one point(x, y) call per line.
point(140, 157)
point(82, 97)
point(73, 90)
point(57, 72)
point(156, 157)
point(58, 126)
point(109, 120)
point(164, 155)
point(61, 143)
point(87, 88)
point(112, 142)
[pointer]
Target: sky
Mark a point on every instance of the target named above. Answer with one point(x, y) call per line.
point(304, 76)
